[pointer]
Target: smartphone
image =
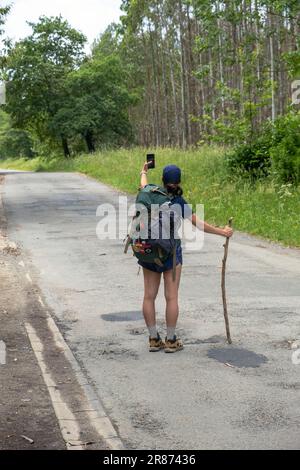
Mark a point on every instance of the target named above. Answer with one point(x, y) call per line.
point(151, 160)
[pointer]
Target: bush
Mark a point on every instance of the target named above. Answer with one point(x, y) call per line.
point(275, 150)
point(16, 143)
point(286, 154)
point(252, 159)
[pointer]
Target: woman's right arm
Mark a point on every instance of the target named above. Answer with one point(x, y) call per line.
point(144, 178)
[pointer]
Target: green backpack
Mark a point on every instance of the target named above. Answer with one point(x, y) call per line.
point(147, 247)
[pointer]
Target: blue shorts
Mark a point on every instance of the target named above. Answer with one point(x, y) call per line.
point(168, 264)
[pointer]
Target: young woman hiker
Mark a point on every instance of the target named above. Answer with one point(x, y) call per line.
point(152, 272)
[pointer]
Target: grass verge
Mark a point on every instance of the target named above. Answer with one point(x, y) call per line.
point(263, 208)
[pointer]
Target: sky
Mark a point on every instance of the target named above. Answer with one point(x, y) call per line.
point(89, 16)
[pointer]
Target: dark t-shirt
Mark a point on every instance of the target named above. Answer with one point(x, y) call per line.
point(186, 210)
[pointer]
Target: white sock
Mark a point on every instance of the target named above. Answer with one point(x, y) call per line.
point(170, 332)
point(153, 331)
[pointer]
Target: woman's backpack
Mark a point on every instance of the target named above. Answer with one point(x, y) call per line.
point(153, 235)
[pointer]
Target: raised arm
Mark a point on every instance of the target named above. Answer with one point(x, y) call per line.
point(144, 178)
point(201, 225)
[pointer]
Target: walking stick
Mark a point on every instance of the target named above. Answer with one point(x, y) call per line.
point(224, 287)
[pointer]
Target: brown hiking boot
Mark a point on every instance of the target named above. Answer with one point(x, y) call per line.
point(156, 344)
point(173, 345)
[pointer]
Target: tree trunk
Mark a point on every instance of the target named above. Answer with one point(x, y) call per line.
point(65, 145)
point(155, 79)
point(272, 65)
point(90, 142)
point(220, 54)
point(184, 98)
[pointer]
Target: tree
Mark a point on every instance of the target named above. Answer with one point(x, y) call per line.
point(36, 71)
point(172, 72)
point(96, 106)
point(3, 14)
point(209, 69)
point(4, 11)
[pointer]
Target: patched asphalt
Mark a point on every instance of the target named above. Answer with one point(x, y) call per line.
point(210, 395)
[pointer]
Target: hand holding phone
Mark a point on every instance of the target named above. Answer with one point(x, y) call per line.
point(150, 161)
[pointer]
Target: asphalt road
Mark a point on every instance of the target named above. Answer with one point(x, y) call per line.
point(210, 395)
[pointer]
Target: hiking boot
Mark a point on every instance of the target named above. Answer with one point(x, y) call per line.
point(156, 344)
point(173, 345)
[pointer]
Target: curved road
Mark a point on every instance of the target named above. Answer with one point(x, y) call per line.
point(210, 395)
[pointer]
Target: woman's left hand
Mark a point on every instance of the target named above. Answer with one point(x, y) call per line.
point(145, 167)
point(228, 232)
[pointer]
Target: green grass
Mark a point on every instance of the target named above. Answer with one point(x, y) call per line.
point(263, 208)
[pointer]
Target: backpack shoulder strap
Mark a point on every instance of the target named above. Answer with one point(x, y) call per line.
point(160, 190)
point(148, 188)
point(174, 264)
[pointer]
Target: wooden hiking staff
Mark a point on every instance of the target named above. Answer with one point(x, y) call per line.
point(224, 286)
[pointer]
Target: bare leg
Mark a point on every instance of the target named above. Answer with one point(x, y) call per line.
point(171, 295)
point(151, 286)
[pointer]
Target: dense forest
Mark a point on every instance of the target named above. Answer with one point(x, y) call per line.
point(170, 73)
point(209, 69)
